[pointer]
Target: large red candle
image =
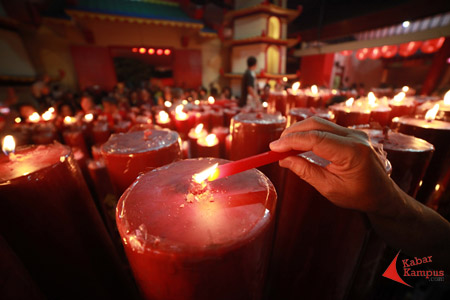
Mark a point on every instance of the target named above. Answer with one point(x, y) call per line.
point(193, 136)
point(402, 106)
point(381, 115)
point(208, 146)
point(189, 242)
point(53, 226)
point(348, 114)
point(129, 154)
point(277, 102)
point(100, 133)
point(438, 175)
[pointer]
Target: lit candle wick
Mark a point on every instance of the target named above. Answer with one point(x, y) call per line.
point(199, 180)
point(431, 114)
point(9, 146)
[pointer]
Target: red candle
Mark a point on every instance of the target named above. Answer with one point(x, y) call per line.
point(100, 133)
point(296, 98)
point(44, 133)
point(437, 176)
point(75, 138)
point(193, 136)
point(129, 154)
point(216, 118)
point(402, 106)
point(53, 226)
point(203, 118)
point(313, 97)
point(347, 114)
point(208, 146)
point(122, 126)
point(221, 133)
point(228, 114)
point(163, 120)
point(408, 155)
point(181, 121)
point(277, 102)
point(208, 241)
point(381, 115)
point(299, 114)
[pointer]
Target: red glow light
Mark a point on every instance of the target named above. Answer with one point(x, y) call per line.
point(134, 49)
point(142, 50)
point(151, 51)
point(159, 51)
point(167, 52)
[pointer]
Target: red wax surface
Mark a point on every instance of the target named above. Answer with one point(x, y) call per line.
point(129, 154)
point(300, 113)
point(399, 110)
point(53, 226)
point(100, 133)
point(408, 155)
point(438, 134)
point(350, 117)
point(277, 102)
point(382, 115)
point(214, 248)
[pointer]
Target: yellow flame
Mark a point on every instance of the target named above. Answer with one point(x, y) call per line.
point(399, 97)
point(211, 140)
point(179, 108)
point(89, 117)
point(285, 79)
point(295, 86)
point(265, 104)
point(163, 117)
point(202, 176)
point(198, 129)
point(8, 145)
point(34, 117)
point(18, 120)
point(372, 99)
point(334, 92)
point(437, 187)
point(51, 110)
point(167, 104)
point(47, 116)
point(180, 114)
point(405, 89)
point(447, 98)
point(420, 183)
point(349, 102)
point(197, 102)
point(69, 120)
point(211, 100)
point(314, 89)
point(431, 114)
point(184, 102)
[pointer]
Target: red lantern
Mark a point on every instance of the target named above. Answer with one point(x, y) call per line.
point(346, 52)
point(142, 50)
point(374, 53)
point(167, 52)
point(134, 49)
point(159, 52)
point(389, 51)
point(361, 54)
point(433, 45)
point(151, 51)
point(408, 49)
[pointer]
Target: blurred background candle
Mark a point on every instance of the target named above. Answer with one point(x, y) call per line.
point(302, 113)
point(277, 102)
point(189, 243)
point(100, 132)
point(193, 136)
point(221, 133)
point(181, 121)
point(53, 226)
point(349, 114)
point(163, 120)
point(129, 154)
point(401, 106)
point(295, 97)
point(313, 97)
point(208, 146)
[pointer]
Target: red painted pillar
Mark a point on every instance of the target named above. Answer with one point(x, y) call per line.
point(436, 69)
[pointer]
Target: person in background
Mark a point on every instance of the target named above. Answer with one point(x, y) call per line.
point(87, 104)
point(65, 109)
point(265, 93)
point(249, 94)
point(356, 179)
point(111, 110)
point(202, 93)
point(226, 93)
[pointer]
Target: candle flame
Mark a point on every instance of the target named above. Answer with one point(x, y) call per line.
point(211, 140)
point(180, 114)
point(405, 88)
point(372, 99)
point(34, 117)
point(334, 92)
point(18, 120)
point(51, 110)
point(198, 129)
point(163, 117)
point(265, 104)
point(209, 173)
point(69, 120)
point(447, 98)
point(431, 114)
point(47, 116)
point(184, 102)
point(89, 117)
point(197, 102)
point(211, 100)
point(349, 102)
point(399, 97)
point(314, 89)
point(167, 104)
point(295, 86)
point(8, 145)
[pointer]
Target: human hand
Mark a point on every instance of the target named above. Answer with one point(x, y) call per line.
point(355, 178)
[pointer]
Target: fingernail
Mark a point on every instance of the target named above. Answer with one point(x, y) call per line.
point(274, 143)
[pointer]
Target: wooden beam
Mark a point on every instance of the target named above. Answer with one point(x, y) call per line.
point(433, 33)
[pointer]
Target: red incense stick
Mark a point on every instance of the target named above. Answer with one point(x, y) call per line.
point(250, 163)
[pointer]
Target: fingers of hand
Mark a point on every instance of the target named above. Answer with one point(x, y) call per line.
point(311, 173)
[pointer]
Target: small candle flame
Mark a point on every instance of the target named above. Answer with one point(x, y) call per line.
point(198, 129)
point(211, 140)
point(51, 110)
point(405, 89)
point(334, 92)
point(211, 100)
point(180, 114)
point(314, 89)
point(168, 104)
point(69, 120)
point(399, 97)
point(431, 114)
point(34, 117)
point(18, 120)
point(8, 145)
point(295, 86)
point(208, 173)
point(372, 99)
point(349, 102)
point(184, 102)
point(163, 117)
point(47, 116)
point(88, 117)
point(197, 102)
point(265, 104)
point(447, 98)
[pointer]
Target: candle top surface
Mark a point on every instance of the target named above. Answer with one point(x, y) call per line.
point(260, 118)
point(139, 141)
point(27, 160)
point(159, 212)
point(398, 141)
point(308, 112)
point(435, 124)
